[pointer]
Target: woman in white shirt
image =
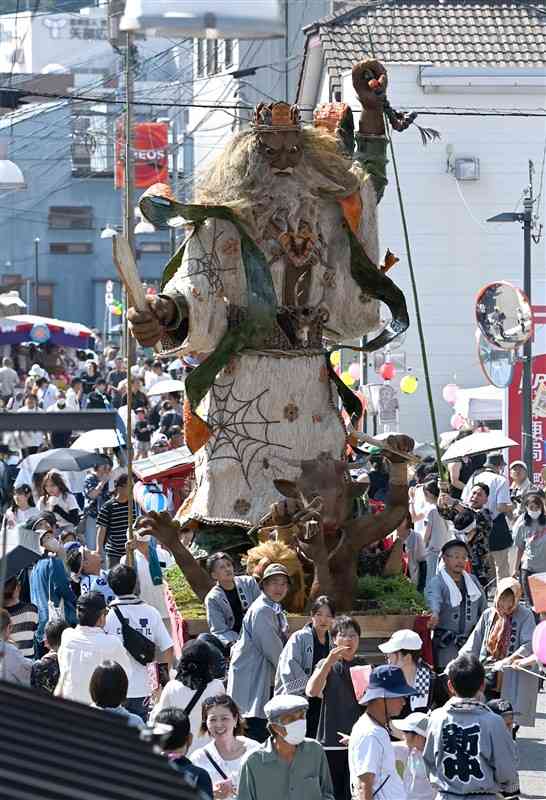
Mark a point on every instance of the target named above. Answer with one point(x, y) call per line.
point(191, 686)
point(22, 507)
point(223, 756)
point(56, 497)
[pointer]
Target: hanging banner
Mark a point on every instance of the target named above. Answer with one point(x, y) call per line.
point(150, 153)
point(538, 423)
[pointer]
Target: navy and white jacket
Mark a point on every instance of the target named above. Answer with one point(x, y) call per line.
point(219, 614)
point(296, 663)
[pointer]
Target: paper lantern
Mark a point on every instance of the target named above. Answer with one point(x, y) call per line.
point(409, 384)
point(354, 369)
point(347, 378)
point(449, 393)
point(335, 358)
point(387, 371)
point(539, 642)
point(457, 421)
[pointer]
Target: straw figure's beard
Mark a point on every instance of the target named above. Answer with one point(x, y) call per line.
point(280, 203)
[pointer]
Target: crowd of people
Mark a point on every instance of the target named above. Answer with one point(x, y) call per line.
point(255, 710)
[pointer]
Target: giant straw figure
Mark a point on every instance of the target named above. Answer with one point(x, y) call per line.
point(283, 256)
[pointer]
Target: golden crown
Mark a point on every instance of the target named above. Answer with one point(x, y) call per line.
point(276, 117)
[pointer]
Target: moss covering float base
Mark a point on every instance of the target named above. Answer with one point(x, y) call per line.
point(384, 605)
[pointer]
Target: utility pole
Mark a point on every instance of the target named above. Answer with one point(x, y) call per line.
point(123, 44)
point(527, 385)
point(286, 53)
point(527, 378)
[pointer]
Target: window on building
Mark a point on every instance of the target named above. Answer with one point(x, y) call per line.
point(155, 247)
point(228, 53)
point(200, 66)
point(45, 299)
point(71, 217)
point(13, 281)
point(92, 140)
point(70, 248)
point(212, 56)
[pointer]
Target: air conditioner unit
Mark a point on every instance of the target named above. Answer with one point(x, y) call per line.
point(212, 19)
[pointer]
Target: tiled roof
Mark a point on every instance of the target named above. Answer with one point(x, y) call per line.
point(463, 33)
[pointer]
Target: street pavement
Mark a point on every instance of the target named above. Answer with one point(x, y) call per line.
point(532, 754)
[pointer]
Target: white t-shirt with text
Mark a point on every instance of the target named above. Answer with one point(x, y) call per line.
point(147, 621)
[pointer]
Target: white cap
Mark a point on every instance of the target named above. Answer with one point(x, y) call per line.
point(284, 704)
point(413, 723)
point(402, 640)
point(36, 371)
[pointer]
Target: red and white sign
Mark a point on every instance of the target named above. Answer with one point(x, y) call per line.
point(150, 153)
point(515, 418)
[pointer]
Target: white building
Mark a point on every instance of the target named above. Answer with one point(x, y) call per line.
point(78, 43)
point(244, 73)
point(475, 57)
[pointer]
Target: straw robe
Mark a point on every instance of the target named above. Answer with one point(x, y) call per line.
point(276, 405)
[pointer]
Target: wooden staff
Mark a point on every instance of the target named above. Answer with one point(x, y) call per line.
point(136, 296)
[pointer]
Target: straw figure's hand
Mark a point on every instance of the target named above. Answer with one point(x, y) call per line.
point(147, 326)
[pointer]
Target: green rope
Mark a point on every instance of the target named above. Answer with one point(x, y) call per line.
point(420, 332)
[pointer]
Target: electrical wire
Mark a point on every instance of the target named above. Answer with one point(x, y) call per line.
point(430, 112)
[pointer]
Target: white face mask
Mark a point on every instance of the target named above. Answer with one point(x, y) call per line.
point(295, 732)
point(534, 514)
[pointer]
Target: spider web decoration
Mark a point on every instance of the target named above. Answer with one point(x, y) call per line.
point(209, 264)
point(240, 428)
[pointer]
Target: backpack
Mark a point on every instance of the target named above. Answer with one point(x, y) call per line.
point(139, 646)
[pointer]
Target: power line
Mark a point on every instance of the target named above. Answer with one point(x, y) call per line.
point(428, 112)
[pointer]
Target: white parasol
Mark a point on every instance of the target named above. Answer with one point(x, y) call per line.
point(477, 443)
point(165, 387)
point(99, 439)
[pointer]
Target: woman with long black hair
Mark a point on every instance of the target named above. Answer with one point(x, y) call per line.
point(56, 497)
point(190, 687)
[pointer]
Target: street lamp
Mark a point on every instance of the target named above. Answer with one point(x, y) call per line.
point(11, 177)
point(108, 232)
point(144, 227)
point(526, 389)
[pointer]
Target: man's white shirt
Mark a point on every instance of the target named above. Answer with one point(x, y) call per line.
point(82, 650)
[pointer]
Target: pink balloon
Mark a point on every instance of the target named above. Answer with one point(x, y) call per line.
point(449, 393)
point(539, 642)
point(457, 422)
point(354, 371)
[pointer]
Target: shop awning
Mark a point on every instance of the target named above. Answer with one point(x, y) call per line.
point(20, 328)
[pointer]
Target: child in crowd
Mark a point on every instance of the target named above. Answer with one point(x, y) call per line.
point(177, 744)
point(414, 548)
point(469, 750)
point(143, 433)
point(108, 689)
point(416, 782)
point(45, 672)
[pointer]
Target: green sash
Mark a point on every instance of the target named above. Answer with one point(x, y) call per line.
point(261, 309)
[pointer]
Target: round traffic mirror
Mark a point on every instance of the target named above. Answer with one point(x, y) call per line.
point(504, 315)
